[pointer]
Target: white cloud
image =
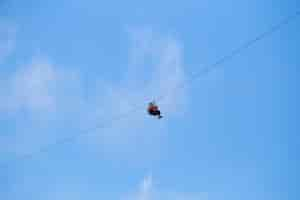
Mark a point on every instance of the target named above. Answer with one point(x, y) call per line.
point(39, 87)
point(55, 97)
point(148, 191)
point(145, 190)
point(155, 69)
point(68, 188)
point(156, 66)
point(34, 86)
point(42, 98)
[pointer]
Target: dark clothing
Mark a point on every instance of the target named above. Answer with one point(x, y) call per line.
point(154, 112)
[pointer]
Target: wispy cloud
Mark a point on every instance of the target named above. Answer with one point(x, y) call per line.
point(156, 65)
point(155, 69)
point(33, 87)
point(147, 190)
point(39, 87)
point(55, 97)
point(77, 188)
point(42, 98)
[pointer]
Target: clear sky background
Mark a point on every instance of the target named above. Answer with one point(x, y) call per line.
point(69, 66)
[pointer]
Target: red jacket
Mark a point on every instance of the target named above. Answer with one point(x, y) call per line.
point(152, 108)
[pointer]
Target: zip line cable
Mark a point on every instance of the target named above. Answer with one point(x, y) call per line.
point(197, 75)
point(238, 50)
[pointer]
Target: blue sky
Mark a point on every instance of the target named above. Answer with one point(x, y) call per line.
point(68, 66)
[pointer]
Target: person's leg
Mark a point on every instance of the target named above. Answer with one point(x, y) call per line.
point(158, 113)
point(153, 112)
